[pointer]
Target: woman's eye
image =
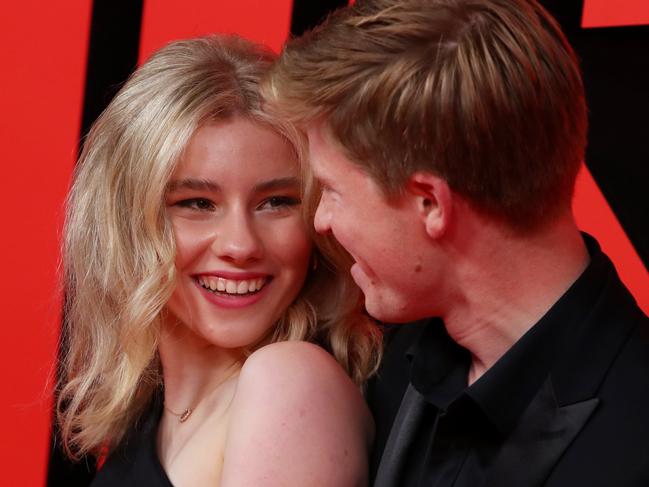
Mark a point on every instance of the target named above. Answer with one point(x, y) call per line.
point(279, 202)
point(200, 204)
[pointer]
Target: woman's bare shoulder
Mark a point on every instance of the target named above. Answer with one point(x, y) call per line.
point(297, 419)
point(303, 374)
point(304, 362)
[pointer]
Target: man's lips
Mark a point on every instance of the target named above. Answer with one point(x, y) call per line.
point(360, 276)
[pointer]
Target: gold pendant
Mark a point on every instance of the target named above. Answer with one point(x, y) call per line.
point(185, 415)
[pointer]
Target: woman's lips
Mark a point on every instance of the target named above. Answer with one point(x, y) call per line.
point(232, 293)
point(231, 286)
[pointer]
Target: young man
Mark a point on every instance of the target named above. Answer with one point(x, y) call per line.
point(447, 135)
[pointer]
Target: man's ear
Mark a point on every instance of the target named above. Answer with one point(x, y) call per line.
point(434, 200)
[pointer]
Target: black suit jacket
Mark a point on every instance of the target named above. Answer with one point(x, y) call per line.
point(588, 423)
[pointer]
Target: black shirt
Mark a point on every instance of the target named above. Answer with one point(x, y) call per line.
point(135, 462)
point(464, 427)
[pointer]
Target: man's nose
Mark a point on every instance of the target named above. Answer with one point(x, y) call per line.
point(322, 219)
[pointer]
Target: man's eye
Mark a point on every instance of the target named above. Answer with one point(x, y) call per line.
point(279, 202)
point(200, 204)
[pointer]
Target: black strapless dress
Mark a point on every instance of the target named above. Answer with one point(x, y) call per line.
point(135, 462)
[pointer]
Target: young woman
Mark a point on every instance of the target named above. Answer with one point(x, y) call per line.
point(194, 285)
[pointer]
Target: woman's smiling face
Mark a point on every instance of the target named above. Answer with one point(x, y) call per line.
point(242, 247)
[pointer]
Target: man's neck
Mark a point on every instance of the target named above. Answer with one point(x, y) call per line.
point(507, 283)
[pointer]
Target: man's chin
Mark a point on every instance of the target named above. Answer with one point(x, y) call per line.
point(381, 303)
point(386, 313)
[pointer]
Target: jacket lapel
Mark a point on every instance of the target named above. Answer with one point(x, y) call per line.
point(544, 432)
point(568, 397)
point(403, 430)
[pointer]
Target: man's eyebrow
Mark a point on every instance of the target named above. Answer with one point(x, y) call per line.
point(320, 178)
point(195, 184)
point(323, 182)
point(277, 183)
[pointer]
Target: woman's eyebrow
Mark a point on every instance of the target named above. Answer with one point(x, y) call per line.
point(194, 184)
point(278, 183)
point(207, 185)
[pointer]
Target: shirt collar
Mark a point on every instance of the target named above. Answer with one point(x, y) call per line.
point(440, 367)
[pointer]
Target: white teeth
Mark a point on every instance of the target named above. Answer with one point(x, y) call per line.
point(229, 286)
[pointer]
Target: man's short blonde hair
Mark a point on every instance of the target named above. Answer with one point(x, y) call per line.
point(484, 93)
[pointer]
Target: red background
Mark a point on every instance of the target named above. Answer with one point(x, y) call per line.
point(608, 13)
point(43, 58)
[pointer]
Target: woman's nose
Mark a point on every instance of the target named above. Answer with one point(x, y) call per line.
point(237, 239)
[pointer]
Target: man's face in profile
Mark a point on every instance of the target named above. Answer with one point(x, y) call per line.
point(381, 235)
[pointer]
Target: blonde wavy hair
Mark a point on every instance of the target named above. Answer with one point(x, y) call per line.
point(118, 246)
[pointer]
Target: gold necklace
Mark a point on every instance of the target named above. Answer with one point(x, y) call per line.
point(184, 416)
